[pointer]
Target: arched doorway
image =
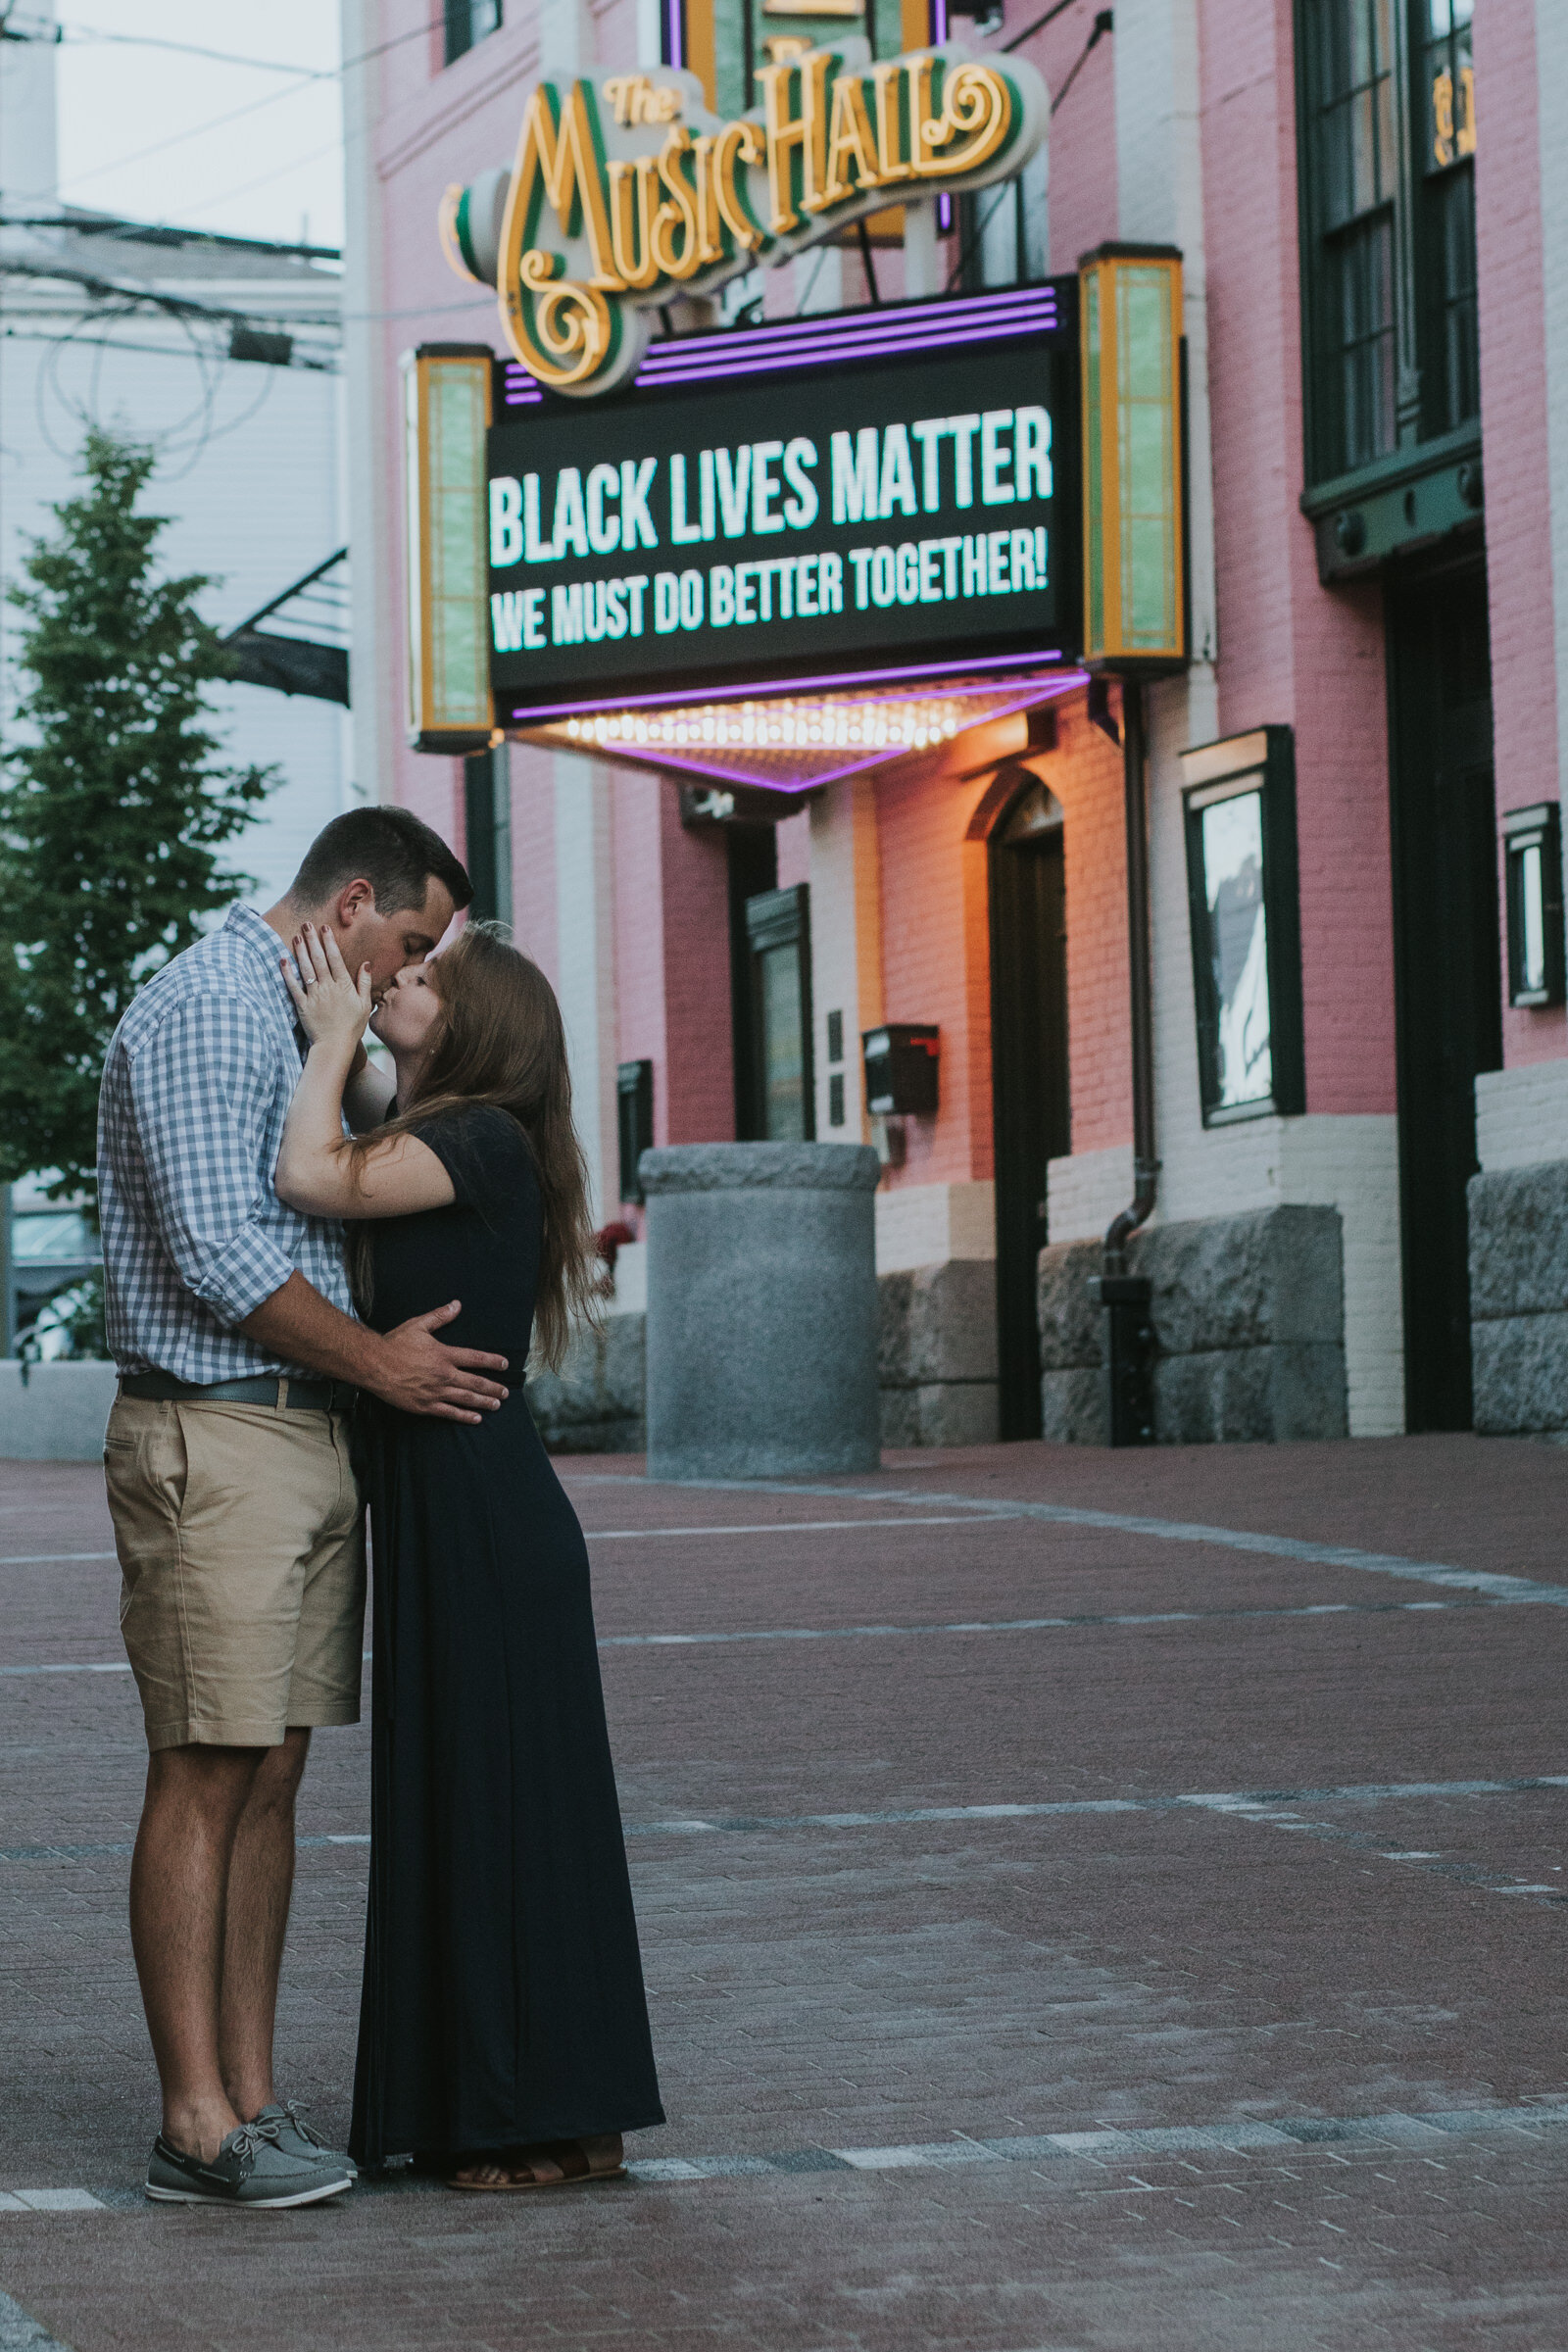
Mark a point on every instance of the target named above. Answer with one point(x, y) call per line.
point(1028, 1073)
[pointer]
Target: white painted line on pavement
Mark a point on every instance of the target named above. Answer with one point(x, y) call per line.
point(47, 1559)
point(1113, 2145)
point(1168, 1531)
point(50, 2200)
point(998, 1625)
point(776, 1527)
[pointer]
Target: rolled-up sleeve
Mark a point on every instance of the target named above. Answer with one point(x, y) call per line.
point(201, 1089)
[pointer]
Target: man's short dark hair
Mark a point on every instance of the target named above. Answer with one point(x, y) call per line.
point(398, 855)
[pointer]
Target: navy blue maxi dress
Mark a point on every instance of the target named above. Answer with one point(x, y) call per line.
point(503, 2000)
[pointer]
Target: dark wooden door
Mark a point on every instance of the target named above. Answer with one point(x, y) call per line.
point(1028, 1076)
point(1447, 963)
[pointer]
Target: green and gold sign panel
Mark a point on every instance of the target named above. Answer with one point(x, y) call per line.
point(627, 188)
point(728, 42)
point(446, 416)
point(1135, 591)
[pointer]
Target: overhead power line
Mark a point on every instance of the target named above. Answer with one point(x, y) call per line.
point(1039, 25)
point(1105, 23)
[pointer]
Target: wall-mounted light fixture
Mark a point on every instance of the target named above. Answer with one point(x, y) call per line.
point(1533, 844)
point(1240, 803)
point(446, 414)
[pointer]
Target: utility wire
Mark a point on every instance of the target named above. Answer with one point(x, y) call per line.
point(1105, 23)
point(60, 35)
point(154, 232)
point(176, 306)
point(1039, 25)
point(122, 163)
point(154, 351)
point(418, 32)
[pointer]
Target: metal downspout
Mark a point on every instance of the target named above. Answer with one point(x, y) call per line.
point(1128, 1338)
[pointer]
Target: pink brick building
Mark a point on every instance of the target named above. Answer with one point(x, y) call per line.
point(1373, 220)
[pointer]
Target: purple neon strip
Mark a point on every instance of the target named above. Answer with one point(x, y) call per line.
point(840, 347)
point(665, 757)
point(675, 17)
point(854, 323)
point(778, 688)
point(900, 334)
point(710, 374)
point(950, 317)
point(1005, 301)
point(929, 326)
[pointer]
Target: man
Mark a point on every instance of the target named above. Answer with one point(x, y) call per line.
point(237, 1519)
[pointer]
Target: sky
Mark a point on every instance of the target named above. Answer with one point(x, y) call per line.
point(143, 131)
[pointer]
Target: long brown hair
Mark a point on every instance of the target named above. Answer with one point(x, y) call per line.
point(500, 1041)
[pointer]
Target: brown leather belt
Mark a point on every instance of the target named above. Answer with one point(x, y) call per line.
point(275, 1389)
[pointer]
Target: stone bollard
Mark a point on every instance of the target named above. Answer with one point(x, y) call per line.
point(762, 1309)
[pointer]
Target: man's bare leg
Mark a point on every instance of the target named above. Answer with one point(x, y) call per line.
point(179, 1875)
point(260, 1880)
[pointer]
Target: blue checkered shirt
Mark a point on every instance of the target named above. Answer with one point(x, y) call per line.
point(196, 1089)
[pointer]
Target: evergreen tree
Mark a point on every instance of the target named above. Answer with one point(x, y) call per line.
point(113, 804)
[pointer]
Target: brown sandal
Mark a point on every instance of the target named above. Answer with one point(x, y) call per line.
point(573, 2167)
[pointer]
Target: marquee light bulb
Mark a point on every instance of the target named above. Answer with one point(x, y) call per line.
point(828, 725)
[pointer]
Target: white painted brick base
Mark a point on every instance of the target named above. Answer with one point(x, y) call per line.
point(1522, 1116)
point(927, 1224)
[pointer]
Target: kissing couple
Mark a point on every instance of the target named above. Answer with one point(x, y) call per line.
point(322, 1290)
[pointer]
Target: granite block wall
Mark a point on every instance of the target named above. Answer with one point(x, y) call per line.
point(937, 1353)
point(1248, 1315)
point(1519, 1298)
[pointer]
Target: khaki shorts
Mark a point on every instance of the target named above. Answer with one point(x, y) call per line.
point(242, 1551)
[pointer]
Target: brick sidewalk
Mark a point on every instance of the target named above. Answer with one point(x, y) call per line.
point(1067, 1934)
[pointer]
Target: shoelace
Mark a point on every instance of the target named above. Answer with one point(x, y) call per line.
point(296, 2115)
point(248, 2138)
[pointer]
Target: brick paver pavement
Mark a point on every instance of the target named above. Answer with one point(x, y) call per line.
point(1091, 1903)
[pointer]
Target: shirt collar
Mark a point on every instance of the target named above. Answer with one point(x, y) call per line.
point(265, 947)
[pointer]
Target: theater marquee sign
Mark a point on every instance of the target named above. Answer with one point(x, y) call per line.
point(626, 190)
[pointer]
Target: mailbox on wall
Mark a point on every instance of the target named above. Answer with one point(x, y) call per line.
point(901, 1060)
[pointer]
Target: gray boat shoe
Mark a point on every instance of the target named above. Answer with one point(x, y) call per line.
point(250, 2169)
point(296, 2137)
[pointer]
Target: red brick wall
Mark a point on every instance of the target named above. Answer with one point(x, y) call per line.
point(533, 854)
point(793, 838)
point(1084, 772)
point(1513, 392)
point(1290, 651)
point(935, 944)
point(641, 1024)
point(920, 828)
point(700, 1084)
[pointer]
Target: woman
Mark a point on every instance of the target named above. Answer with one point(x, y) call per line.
point(502, 2029)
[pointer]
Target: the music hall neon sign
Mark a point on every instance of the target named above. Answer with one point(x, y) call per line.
point(626, 191)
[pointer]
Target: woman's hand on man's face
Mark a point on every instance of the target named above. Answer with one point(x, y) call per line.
point(333, 1004)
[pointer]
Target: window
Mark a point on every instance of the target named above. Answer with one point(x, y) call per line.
point(1386, 145)
point(1355, 162)
point(634, 1123)
point(1241, 891)
point(778, 935)
point(1446, 106)
point(467, 22)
